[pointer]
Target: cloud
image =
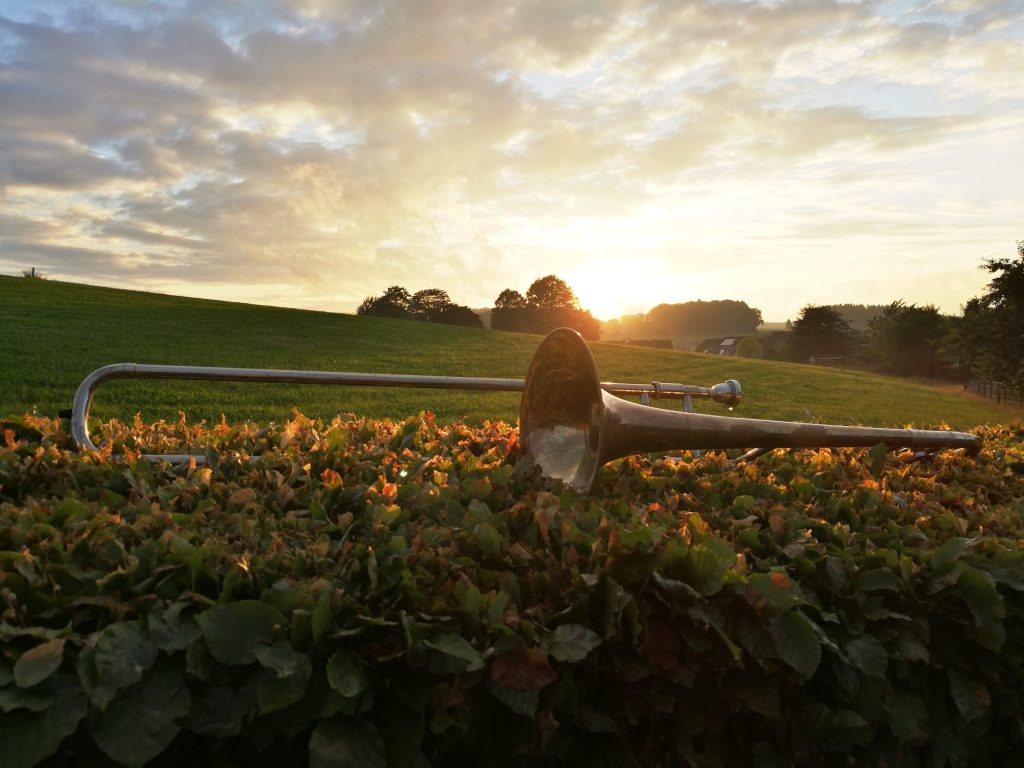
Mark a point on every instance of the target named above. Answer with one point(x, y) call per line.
point(257, 145)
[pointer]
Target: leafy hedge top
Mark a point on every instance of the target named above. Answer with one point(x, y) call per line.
point(410, 594)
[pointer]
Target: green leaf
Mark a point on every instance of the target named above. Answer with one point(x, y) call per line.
point(835, 729)
point(275, 692)
point(707, 564)
point(796, 642)
point(776, 594)
point(570, 642)
point(18, 698)
point(123, 654)
point(345, 674)
point(947, 554)
point(876, 459)
point(28, 739)
point(345, 743)
point(456, 647)
point(322, 616)
point(233, 631)
point(868, 655)
point(140, 724)
point(38, 663)
point(489, 539)
point(971, 696)
point(986, 606)
point(280, 658)
point(169, 631)
point(877, 579)
point(519, 701)
point(906, 714)
point(220, 710)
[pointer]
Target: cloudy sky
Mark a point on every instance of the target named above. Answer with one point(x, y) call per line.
point(313, 152)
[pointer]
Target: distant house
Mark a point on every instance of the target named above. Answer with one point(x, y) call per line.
point(719, 346)
point(655, 343)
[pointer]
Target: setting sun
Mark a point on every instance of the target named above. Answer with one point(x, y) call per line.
point(312, 154)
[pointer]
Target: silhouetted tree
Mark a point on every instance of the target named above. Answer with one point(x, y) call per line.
point(459, 314)
point(907, 339)
point(989, 339)
point(551, 303)
point(393, 303)
point(819, 332)
point(859, 316)
point(509, 313)
point(704, 317)
point(429, 305)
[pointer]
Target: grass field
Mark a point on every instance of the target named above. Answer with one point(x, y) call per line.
point(54, 333)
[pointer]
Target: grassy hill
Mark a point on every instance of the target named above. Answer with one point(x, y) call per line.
point(55, 333)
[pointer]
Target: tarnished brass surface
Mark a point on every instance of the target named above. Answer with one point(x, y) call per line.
point(570, 426)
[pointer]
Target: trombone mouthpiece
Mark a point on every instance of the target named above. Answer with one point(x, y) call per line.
point(727, 393)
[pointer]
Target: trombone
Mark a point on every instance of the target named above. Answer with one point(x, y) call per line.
point(570, 426)
point(727, 393)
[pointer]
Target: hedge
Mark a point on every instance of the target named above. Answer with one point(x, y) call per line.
point(415, 594)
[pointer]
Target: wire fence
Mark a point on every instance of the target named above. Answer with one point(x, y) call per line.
point(996, 391)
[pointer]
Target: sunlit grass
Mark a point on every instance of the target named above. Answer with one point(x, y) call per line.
point(55, 333)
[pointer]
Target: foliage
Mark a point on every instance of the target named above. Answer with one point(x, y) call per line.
point(635, 326)
point(413, 594)
point(819, 331)
point(393, 303)
point(431, 305)
point(704, 317)
point(549, 303)
point(859, 316)
point(749, 346)
point(510, 312)
point(989, 339)
point(908, 338)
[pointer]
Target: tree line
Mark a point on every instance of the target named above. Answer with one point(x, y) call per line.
point(725, 316)
point(986, 341)
point(549, 303)
point(432, 305)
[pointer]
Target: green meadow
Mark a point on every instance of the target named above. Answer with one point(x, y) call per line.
point(54, 334)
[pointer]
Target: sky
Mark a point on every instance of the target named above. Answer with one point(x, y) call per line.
point(311, 153)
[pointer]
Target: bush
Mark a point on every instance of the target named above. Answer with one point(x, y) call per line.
point(413, 594)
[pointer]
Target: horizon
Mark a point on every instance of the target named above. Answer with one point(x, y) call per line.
point(44, 277)
point(302, 155)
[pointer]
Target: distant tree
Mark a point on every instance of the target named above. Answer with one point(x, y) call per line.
point(458, 314)
point(749, 346)
point(636, 326)
point(429, 305)
point(551, 303)
point(393, 303)
point(907, 339)
point(819, 331)
point(509, 313)
point(989, 339)
point(33, 274)
point(859, 316)
point(711, 318)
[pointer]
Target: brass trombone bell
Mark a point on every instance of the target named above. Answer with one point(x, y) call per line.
point(570, 426)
